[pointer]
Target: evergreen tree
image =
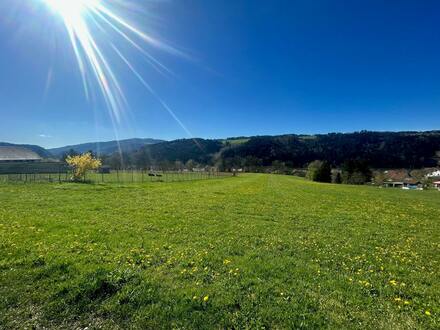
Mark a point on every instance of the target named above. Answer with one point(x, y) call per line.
point(319, 171)
point(356, 172)
point(338, 178)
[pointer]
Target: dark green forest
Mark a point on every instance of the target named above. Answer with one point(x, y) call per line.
point(377, 149)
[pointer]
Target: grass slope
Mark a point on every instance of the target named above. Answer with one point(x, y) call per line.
point(248, 252)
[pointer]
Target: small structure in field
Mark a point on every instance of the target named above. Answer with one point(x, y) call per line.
point(104, 169)
point(154, 174)
point(436, 184)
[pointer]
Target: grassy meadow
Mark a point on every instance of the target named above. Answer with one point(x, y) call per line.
point(247, 252)
point(123, 177)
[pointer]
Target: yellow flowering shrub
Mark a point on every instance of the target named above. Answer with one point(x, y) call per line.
point(82, 163)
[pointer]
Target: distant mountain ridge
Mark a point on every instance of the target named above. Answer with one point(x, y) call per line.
point(40, 151)
point(378, 149)
point(106, 148)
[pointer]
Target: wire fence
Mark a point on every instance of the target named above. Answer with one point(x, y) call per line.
point(116, 176)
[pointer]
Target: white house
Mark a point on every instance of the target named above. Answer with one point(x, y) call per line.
point(434, 174)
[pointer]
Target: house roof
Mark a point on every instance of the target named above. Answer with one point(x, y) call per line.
point(12, 153)
point(396, 175)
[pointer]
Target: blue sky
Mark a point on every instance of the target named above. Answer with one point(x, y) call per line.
point(256, 67)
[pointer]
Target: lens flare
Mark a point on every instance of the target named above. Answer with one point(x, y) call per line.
point(65, 7)
point(81, 18)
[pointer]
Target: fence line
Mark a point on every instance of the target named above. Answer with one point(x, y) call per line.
point(116, 176)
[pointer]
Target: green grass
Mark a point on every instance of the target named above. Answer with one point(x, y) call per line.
point(142, 176)
point(126, 176)
point(236, 141)
point(254, 251)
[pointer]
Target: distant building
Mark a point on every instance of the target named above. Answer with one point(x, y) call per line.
point(104, 169)
point(413, 185)
point(437, 184)
point(397, 176)
point(17, 154)
point(434, 174)
point(407, 183)
point(200, 169)
point(393, 184)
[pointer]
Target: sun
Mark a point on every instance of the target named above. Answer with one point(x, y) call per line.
point(97, 27)
point(71, 7)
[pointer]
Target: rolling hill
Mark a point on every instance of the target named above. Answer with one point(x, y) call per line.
point(40, 151)
point(377, 149)
point(105, 148)
point(199, 150)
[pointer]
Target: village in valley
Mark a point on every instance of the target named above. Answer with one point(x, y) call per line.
point(18, 162)
point(409, 180)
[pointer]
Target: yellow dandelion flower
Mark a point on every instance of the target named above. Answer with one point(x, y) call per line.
point(393, 282)
point(428, 313)
point(406, 302)
point(226, 261)
point(205, 298)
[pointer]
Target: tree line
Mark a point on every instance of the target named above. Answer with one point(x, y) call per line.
point(351, 172)
point(353, 153)
point(377, 149)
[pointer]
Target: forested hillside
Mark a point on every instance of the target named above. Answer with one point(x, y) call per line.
point(378, 149)
point(168, 154)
